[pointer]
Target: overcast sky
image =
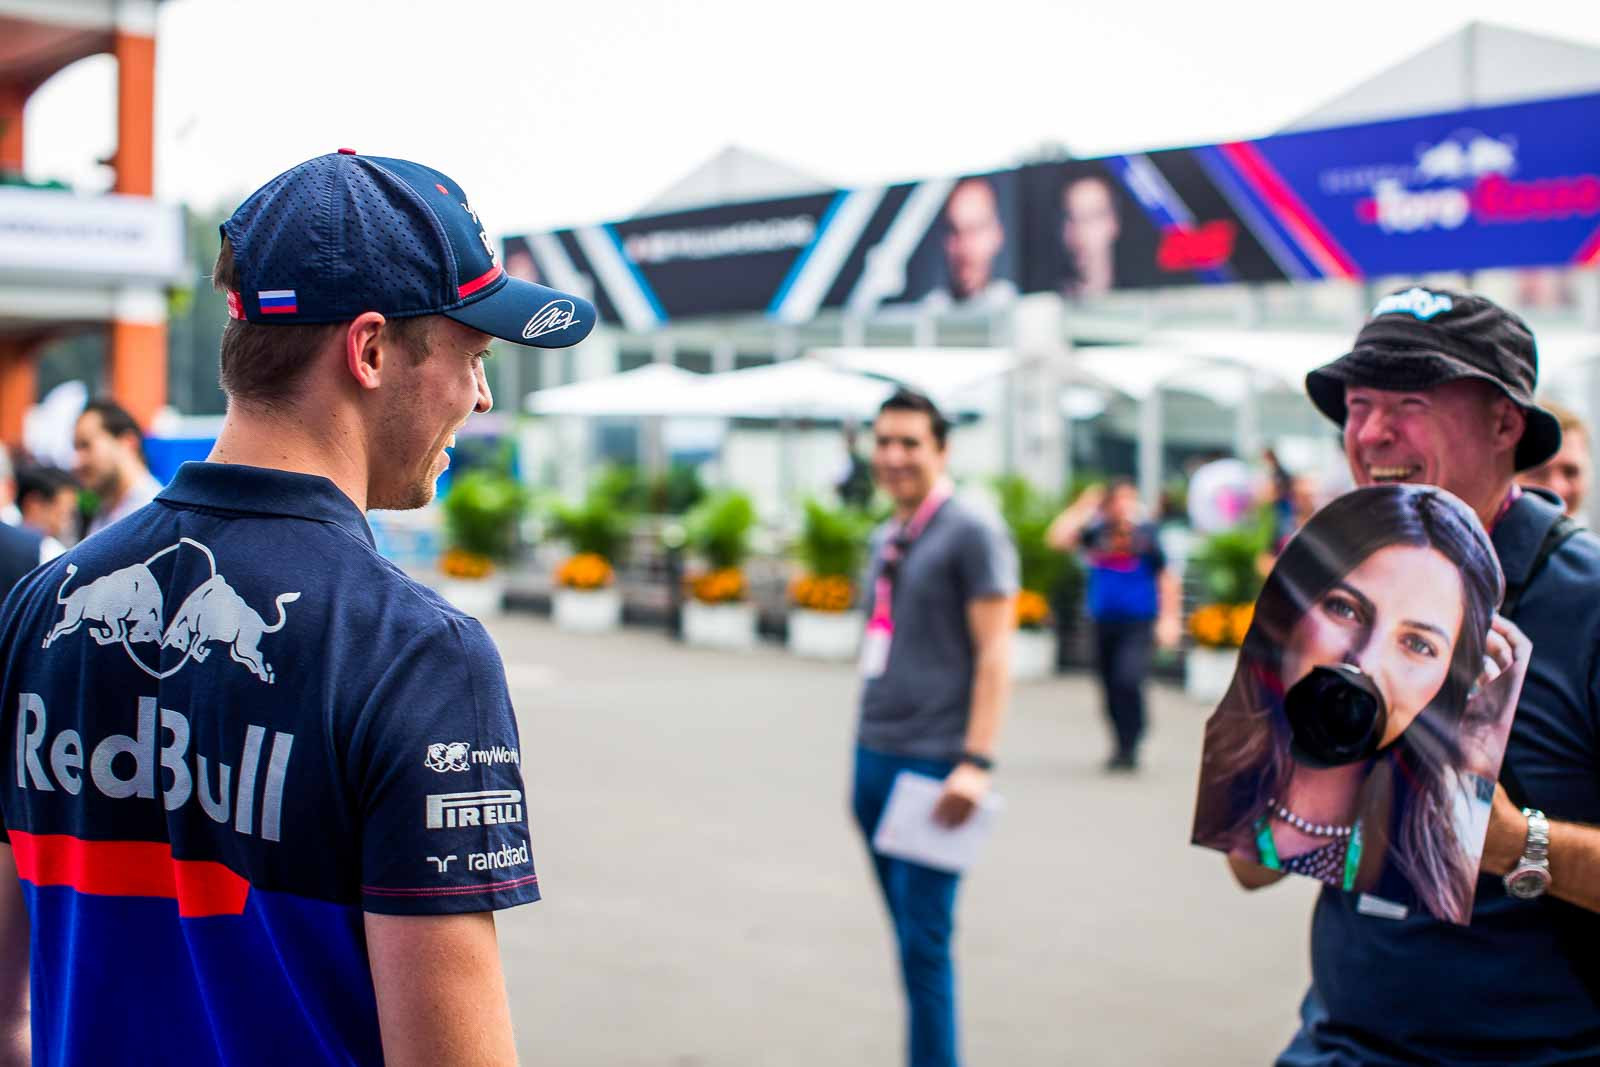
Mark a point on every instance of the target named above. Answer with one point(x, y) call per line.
point(551, 114)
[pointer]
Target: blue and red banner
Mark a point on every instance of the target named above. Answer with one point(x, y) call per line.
point(1498, 187)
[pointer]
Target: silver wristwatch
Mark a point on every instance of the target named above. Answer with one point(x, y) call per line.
point(1531, 876)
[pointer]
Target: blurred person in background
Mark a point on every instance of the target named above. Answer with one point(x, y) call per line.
point(47, 498)
point(109, 447)
point(1134, 600)
point(936, 664)
point(29, 549)
point(1567, 473)
point(854, 484)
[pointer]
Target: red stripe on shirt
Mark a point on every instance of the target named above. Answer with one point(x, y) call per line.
point(129, 869)
point(453, 890)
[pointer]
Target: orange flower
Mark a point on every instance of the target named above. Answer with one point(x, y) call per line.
point(459, 563)
point(585, 571)
point(1239, 618)
point(1033, 610)
point(1221, 625)
point(832, 593)
point(718, 587)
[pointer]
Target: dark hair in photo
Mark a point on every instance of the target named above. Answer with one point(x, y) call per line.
point(114, 417)
point(42, 481)
point(1407, 800)
point(903, 399)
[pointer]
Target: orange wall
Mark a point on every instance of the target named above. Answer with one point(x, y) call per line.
point(19, 373)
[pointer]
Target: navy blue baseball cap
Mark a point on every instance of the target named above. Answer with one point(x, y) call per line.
point(345, 233)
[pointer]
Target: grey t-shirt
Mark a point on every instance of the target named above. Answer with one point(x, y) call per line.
point(919, 705)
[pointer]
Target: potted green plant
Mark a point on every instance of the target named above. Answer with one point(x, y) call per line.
point(596, 530)
point(825, 619)
point(481, 512)
point(1028, 513)
point(1229, 569)
point(717, 611)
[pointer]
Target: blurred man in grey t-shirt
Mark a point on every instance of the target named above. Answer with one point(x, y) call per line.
point(936, 667)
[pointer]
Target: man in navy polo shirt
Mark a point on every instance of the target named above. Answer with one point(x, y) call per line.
point(1439, 391)
point(261, 792)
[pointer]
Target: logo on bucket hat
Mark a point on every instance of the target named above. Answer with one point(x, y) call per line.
point(345, 233)
point(1420, 338)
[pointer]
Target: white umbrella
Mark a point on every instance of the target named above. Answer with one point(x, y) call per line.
point(795, 388)
point(654, 389)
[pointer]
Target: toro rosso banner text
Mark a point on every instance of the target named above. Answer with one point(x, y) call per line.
point(1513, 186)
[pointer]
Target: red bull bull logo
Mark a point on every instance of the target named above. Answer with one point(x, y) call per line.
point(128, 607)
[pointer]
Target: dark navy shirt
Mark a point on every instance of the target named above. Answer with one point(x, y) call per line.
point(1509, 988)
point(229, 729)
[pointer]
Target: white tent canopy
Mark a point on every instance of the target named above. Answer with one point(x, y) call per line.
point(656, 389)
point(956, 378)
point(796, 388)
point(800, 388)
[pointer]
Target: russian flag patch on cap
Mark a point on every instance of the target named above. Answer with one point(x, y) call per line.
point(277, 301)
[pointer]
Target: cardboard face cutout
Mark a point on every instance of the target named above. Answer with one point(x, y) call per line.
point(1362, 736)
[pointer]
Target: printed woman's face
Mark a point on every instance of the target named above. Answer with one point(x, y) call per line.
point(1397, 617)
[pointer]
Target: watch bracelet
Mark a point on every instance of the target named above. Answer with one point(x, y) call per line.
point(1536, 849)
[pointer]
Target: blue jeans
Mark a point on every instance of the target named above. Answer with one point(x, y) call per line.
point(921, 904)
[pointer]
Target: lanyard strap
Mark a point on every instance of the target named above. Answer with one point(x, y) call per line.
point(895, 547)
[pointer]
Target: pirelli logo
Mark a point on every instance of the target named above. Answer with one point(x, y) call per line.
point(491, 807)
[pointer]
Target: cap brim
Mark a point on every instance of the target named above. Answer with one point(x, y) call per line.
point(1541, 438)
point(528, 314)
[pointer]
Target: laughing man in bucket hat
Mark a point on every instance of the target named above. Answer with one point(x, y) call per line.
point(1438, 390)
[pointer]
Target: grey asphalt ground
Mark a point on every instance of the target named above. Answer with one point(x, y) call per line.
point(708, 901)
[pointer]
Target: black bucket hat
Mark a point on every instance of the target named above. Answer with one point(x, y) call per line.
point(1419, 338)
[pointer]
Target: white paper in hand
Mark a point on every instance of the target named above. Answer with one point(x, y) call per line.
point(907, 830)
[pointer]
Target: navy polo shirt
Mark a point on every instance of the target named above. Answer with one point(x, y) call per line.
point(229, 729)
point(1509, 988)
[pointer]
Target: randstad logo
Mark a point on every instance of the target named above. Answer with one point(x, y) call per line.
point(127, 607)
point(1418, 303)
point(552, 318)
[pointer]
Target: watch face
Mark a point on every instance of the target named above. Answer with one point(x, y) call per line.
point(1527, 882)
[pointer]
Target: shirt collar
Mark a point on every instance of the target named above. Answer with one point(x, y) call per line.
point(1519, 532)
point(265, 491)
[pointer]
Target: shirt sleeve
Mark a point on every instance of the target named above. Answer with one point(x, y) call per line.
point(988, 562)
point(438, 766)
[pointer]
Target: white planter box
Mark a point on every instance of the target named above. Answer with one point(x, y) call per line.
point(719, 625)
point(832, 635)
point(1033, 655)
point(1207, 673)
point(587, 611)
point(478, 597)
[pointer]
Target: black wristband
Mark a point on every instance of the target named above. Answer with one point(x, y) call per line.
point(978, 760)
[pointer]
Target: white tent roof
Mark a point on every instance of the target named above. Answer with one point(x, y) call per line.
point(954, 377)
point(733, 175)
point(654, 389)
point(796, 388)
point(1480, 65)
point(800, 388)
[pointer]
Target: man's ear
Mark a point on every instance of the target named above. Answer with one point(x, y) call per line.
point(1510, 422)
point(364, 354)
